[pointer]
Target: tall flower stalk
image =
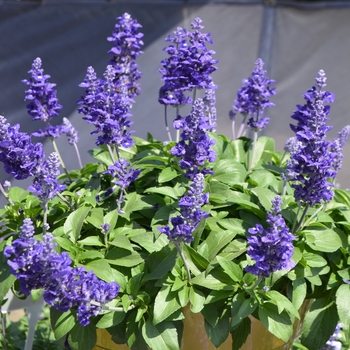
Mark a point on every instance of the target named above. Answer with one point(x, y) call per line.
point(252, 99)
point(270, 248)
point(312, 167)
point(107, 102)
point(188, 67)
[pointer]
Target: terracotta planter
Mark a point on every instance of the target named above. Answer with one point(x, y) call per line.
point(195, 336)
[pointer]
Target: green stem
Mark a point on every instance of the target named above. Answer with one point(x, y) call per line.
point(257, 282)
point(241, 128)
point(253, 150)
point(4, 193)
point(60, 158)
point(110, 151)
point(177, 245)
point(45, 216)
point(302, 218)
point(166, 123)
point(65, 201)
point(284, 189)
point(284, 154)
point(78, 155)
point(313, 215)
point(112, 308)
point(296, 218)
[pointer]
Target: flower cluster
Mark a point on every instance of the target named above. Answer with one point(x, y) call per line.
point(253, 98)
point(126, 48)
point(106, 105)
point(337, 147)
point(271, 248)
point(194, 145)
point(70, 131)
point(123, 176)
point(43, 103)
point(312, 166)
point(191, 214)
point(38, 266)
point(45, 184)
point(209, 100)
point(19, 155)
point(189, 65)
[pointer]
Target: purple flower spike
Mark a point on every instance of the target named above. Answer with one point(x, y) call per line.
point(70, 132)
point(19, 155)
point(106, 105)
point(45, 184)
point(271, 248)
point(189, 65)
point(37, 265)
point(191, 214)
point(337, 147)
point(194, 146)
point(311, 166)
point(126, 48)
point(253, 97)
point(43, 103)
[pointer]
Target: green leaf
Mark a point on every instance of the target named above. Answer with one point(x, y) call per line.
point(232, 224)
point(299, 292)
point(321, 319)
point(282, 302)
point(229, 171)
point(162, 336)
point(314, 260)
point(219, 333)
point(166, 303)
point(263, 143)
point(122, 241)
point(233, 270)
point(62, 322)
point(101, 269)
point(122, 257)
point(95, 217)
point(210, 282)
point(74, 223)
point(277, 323)
point(160, 263)
point(17, 194)
point(111, 319)
point(215, 242)
point(265, 196)
point(82, 337)
point(91, 241)
point(264, 178)
point(172, 192)
point(342, 301)
point(241, 308)
point(6, 278)
point(167, 174)
point(323, 239)
point(111, 218)
point(240, 333)
point(150, 242)
point(197, 299)
point(196, 262)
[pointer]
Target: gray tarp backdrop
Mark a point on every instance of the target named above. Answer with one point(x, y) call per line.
point(295, 38)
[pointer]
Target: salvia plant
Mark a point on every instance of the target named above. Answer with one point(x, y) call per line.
point(230, 228)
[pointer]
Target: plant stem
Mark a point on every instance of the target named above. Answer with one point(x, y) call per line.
point(178, 130)
point(313, 215)
point(284, 189)
point(241, 128)
point(177, 245)
point(233, 130)
point(3, 331)
point(112, 308)
point(257, 282)
point(255, 139)
point(4, 193)
point(60, 158)
point(45, 217)
point(302, 218)
point(296, 218)
point(166, 123)
point(110, 151)
point(78, 155)
point(64, 200)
